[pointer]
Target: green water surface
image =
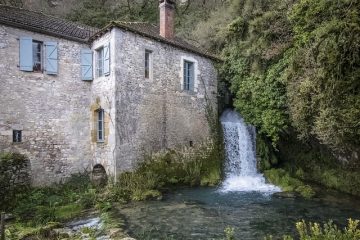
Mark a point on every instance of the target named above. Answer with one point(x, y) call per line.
point(204, 213)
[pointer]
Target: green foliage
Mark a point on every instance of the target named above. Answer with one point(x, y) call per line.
point(200, 165)
point(56, 203)
point(324, 74)
point(265, 152)
point(282, 178)
point(296, 63)
point(229, 233)
point(329, 231)
point(313, 162)
point(254, 58)
point(14, 178)
point(98, 13)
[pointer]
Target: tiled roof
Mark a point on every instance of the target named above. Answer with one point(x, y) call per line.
point(42, 23)
point(153, 32)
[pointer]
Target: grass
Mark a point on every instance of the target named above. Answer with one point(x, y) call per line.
point(38, 210)
point(201, 165)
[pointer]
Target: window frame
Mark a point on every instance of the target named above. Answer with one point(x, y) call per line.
point(100, 118)
point(41, 44)
point(148, 64)
point(100, 61)
point(15, 138)
point(187, 66)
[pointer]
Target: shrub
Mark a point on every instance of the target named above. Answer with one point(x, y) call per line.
point(14, 178)
point(196, 166)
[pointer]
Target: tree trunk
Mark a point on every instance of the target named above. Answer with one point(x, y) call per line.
point(2, 226)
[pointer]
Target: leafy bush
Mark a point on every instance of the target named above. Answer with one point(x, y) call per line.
point(329, 231)
point(200, 165)
point(56, 203)
point(14, 178)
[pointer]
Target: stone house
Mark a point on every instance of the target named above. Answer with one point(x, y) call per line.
point(75, 97)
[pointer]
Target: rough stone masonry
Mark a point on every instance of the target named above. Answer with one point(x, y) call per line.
point(97, 106)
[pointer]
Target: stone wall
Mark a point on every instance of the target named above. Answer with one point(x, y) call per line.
point(57, 113)
point(51, 110)
point(155, 113)
point(103, 96)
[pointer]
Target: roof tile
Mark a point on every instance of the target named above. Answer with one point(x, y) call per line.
point(39, 22)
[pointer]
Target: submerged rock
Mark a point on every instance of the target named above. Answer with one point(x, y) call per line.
point(286, 195)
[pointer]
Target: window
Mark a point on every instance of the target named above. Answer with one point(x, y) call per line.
point(188, 76)
point(148, 55)
point(37, 56)
point(17, 136)
point(100, 61)
point(100, 125)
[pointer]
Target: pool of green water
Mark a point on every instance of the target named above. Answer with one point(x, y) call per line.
point(204, 213)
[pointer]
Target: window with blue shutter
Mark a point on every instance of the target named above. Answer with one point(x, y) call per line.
point(51, 61)
point(189, 75)
point(100, 62)
point(26, 54)
point(107, 59)
point(86, 64)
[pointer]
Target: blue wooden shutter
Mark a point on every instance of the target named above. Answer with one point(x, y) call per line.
point(191, 76)
point(51, 60)
point(86, 64)
point(107, 59)
point(26, 54)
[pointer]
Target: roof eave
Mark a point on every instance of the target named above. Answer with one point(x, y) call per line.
point(115, 24)
point(50, 33)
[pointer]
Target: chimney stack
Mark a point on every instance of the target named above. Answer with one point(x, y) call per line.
point(167, 18)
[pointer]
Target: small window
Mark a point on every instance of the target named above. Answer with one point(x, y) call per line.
point(189, 76)
point(37, 56)
point(100, 61)
point(148, 55)
point(100, 125)
point(17, 136)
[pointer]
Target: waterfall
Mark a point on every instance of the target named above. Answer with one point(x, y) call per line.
point(240, 150)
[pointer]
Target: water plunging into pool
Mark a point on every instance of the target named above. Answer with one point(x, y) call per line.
point(244, 201)
point(240, 169)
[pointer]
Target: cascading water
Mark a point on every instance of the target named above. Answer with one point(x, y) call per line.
point(240, 169)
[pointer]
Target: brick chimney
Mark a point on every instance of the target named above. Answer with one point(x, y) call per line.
point(167, 18)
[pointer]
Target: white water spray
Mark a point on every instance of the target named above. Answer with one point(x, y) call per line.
point(241, 172)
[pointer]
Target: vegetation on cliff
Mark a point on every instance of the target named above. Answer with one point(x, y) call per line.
point(295, 64)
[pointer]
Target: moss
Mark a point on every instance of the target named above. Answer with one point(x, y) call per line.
point(265, 152)
point(68, 211)
point(141, 195)
point(282, 178)
point(315, 163)
point(212, 179)
point(306, 191)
